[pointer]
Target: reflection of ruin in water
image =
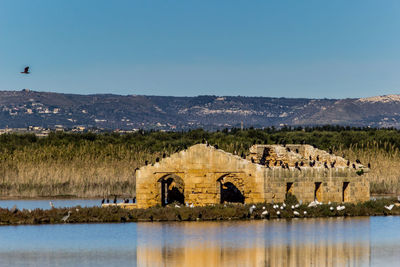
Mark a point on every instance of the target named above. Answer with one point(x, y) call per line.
point(311, 242)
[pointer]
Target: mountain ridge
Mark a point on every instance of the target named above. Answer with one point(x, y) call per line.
point(19, 109)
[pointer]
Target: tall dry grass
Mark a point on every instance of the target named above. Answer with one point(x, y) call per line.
point(385, 164)
point(86, 171)
point(89, 169)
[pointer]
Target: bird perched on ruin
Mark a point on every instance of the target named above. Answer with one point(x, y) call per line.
point(369, 165)
point(102, 202)
point(317, 157)
point(333, 164)
point(26, 70)
point(288, 149)
point(301, 164)
point(157, 159)
point(216, 146)
point(297, 166)
point(115, 199)
point(297, 151)
point(358, 161)
point(310, 157)
point(330, 151)
point(348, 163)
point(354, 166)
point(252, 160)
point(275, 163)
point(325, 165)
point(164, 155)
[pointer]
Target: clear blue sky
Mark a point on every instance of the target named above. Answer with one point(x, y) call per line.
point(318, 49)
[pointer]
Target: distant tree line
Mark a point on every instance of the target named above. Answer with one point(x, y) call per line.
point(323, 137)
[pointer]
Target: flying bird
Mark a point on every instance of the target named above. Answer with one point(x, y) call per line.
point(26, 71)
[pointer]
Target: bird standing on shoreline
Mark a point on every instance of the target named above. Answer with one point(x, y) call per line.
point(14, 209)
point(66, 217)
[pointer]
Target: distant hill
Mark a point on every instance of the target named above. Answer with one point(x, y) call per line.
point(20, 109)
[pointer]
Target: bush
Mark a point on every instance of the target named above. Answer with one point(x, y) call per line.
point(291, 199)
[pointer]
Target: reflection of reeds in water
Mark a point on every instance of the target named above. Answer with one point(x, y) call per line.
point(286, 244)
point(385, 164)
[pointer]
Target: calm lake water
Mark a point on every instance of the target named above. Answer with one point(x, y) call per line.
point(360, 241)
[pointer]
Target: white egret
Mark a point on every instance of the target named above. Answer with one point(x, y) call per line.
point(66, 217)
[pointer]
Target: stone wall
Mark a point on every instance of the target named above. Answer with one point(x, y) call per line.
point(202, 168)
point(205, 173)
point(316, 183)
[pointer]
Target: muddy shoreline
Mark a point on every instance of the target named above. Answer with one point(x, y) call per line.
point(14, 216)
point(72, 197)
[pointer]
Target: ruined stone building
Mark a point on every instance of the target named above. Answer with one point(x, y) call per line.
point(204, 175)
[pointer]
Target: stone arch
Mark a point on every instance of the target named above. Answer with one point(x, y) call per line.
point(172, 189)
point(231, 188)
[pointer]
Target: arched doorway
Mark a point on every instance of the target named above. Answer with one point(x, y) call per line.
point(229, 192)
point(172, 189)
